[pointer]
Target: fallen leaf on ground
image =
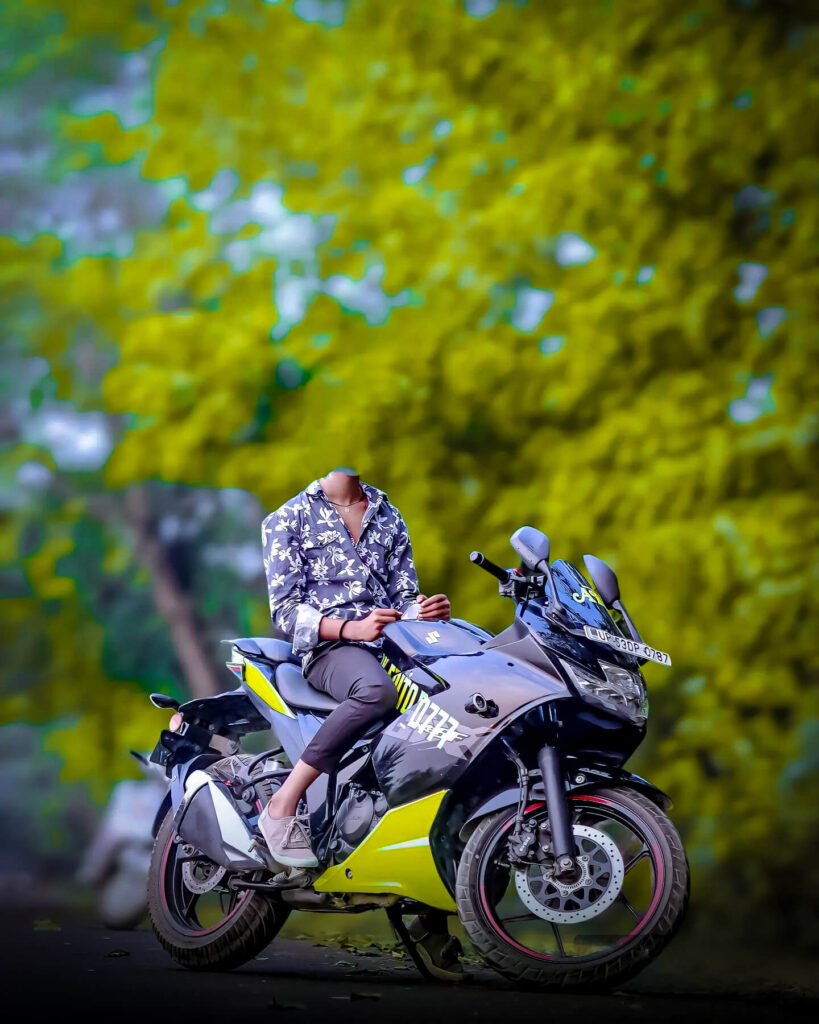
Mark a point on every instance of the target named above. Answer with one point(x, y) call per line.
point(118, 952)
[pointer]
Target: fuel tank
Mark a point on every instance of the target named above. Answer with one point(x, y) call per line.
point(443, 725)
point(426, 642)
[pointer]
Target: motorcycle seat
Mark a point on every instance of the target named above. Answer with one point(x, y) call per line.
point(298, 693)
point(277, 651)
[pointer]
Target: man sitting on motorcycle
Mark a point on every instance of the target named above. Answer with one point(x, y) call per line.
point(339, 567)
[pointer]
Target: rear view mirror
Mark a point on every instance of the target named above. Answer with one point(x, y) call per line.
point(160, 700)
point(604, 578)
point(533, 547)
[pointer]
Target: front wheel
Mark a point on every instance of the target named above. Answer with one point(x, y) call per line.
point(627, 902)
point(199, 920)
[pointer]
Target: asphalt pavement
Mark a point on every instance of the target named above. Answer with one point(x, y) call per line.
point(74, 970)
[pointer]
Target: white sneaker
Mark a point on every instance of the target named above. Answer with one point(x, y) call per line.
point(288, 840)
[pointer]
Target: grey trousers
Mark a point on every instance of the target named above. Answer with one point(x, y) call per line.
point(353, 676)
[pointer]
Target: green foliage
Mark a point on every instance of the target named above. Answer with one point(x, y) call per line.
point(626, 162)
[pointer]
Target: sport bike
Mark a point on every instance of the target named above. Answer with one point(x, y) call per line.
point(496, 791)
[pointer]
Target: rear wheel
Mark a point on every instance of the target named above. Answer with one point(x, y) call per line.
point(199, 920)
point(627, 902)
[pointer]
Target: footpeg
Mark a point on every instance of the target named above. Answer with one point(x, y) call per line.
point(292, 878)
point(260, 849)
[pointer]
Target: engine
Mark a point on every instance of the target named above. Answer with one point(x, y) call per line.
point(358, 813)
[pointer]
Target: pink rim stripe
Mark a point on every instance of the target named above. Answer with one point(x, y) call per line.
point(204, 931)
point(640, 924)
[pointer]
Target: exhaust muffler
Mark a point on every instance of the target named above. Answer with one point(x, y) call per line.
point(210, 819)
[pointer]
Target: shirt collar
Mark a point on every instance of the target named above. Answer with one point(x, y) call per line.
point(374, 495)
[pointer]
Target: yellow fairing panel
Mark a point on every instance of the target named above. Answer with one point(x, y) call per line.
point(395, 857)
point(264, 688)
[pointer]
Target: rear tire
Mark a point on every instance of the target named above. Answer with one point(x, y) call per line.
point(245, 931)
point(602, 970)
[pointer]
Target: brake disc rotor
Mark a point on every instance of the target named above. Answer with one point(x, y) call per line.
point(201, 875)
point(599, 885)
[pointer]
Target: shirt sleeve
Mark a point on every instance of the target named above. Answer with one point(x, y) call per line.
point(402, 580)
point(284, 567)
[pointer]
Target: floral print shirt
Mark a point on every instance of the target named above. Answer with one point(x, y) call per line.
point(314, 568)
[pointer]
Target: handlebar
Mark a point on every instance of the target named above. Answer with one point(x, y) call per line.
point(478, 558)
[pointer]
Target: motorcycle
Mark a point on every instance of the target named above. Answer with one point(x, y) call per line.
point(117, 861)
point(497, 792)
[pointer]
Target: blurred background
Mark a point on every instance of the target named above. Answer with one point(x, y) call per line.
point(545, 263)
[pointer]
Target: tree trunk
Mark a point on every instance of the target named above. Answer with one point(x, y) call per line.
point(170, 599)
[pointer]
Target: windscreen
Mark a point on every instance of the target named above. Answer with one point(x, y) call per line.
point(579, 597)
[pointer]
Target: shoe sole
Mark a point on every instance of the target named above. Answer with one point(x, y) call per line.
point(294, 862)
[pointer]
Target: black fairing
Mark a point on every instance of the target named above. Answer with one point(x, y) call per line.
point(410, 763)
point(432, 744)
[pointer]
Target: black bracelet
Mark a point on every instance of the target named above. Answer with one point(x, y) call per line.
point(341, 629)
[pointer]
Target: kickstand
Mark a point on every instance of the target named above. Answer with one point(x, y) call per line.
point(396, 919)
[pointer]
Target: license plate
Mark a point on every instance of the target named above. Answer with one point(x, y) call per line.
point(621, 643)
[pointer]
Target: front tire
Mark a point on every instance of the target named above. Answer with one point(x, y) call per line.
point(248, 924)
point(539, 935)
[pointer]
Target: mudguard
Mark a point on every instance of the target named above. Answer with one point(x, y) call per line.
point(590, 779)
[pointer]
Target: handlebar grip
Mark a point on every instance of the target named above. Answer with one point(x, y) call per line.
point(478, 558)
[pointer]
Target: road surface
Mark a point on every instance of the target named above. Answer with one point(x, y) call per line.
point(74, 970)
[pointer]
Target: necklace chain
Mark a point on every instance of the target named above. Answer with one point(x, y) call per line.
point(346, 508)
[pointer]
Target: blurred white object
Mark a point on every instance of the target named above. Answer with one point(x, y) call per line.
point(412, 611)
point(116, 863)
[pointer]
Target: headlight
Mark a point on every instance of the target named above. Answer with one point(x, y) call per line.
point(621, 692)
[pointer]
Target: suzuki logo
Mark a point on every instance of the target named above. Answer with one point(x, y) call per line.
point(433, 637)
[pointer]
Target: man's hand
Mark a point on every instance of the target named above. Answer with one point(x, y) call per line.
point(370, 627)
point(435, 607)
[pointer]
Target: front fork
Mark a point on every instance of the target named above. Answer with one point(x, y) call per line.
point(553, 773)
point(560, 843)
